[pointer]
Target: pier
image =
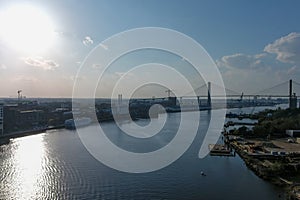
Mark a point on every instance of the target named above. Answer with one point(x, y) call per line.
point(220, 150)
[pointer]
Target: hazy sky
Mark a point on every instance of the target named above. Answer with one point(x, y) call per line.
point(256, 44)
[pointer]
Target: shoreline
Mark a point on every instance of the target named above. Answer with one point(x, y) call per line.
point(3, 138)
point(6, 137)
point(276, 178)
point(270, 151)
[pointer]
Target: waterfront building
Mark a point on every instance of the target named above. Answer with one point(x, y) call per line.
point(293, 133)
point(30, 118)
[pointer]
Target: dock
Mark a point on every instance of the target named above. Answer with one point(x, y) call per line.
point(220, 150)
point(231, 123)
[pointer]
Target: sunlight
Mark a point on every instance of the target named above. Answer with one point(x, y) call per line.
point(29, 163)
point(26, 28)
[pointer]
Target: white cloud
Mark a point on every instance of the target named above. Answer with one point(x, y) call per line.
point(264, 69)
point(287, 48)
point(42, 63)
point(87, 41)
point(242, 61)
point(262, 55)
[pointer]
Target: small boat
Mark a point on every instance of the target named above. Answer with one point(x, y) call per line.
point(73, 124)
point(202, 173)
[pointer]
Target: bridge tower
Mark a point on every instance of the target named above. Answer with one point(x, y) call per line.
point(292, 97)
point(208, 95)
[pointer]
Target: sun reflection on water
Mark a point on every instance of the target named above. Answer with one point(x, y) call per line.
point(29, 164)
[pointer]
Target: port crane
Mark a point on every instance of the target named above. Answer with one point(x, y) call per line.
point(19, 94)
point(169, 92)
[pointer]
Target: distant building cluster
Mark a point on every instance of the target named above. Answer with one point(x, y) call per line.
point(17, 116)
point(21, 115)
point(32, 115)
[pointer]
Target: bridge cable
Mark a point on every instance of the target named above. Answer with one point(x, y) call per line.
point(264, 90)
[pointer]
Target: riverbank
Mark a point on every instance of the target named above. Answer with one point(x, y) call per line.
point(269, 150)
point(276, 169)
point(4, 139)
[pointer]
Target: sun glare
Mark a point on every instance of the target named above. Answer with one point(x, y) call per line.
point(26, 28)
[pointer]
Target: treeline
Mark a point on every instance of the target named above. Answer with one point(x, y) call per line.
point(277, 121)
point(273, 122)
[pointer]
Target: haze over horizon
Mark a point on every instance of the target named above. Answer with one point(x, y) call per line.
point(43, 43)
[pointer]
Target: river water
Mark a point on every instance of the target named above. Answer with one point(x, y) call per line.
point(56, 165)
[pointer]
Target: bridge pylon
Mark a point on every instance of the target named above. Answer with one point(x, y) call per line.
point(208, 95)
point(292, 96)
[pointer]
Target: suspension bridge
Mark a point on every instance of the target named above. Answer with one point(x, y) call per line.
point(210, 96)
point(284, 90)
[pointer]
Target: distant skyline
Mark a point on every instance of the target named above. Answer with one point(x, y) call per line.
point(256, 44)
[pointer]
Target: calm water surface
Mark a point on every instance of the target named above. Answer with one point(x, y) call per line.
point(55, 165)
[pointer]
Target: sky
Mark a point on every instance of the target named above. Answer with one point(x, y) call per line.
point(255, 44)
